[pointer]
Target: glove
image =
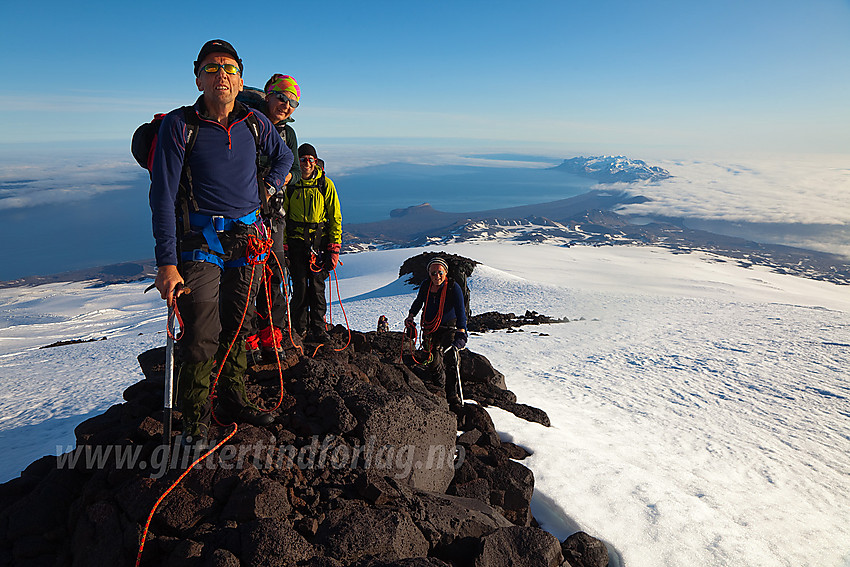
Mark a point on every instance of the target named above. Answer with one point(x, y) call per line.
point(331, 261)
point(460, 340)
point(410, 327)
point(332, 257)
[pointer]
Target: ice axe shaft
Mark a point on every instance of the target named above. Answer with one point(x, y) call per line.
point(457, 361)
point(168, 390)
point(169, 378)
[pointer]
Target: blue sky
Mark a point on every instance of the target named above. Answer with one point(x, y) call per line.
point(727, 76)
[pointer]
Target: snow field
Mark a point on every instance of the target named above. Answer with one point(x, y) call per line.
point(699, 409)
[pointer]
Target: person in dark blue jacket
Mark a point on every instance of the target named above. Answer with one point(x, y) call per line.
point(443, 327)
point(206, 255)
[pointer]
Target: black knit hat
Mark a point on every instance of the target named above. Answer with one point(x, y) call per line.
point(216, 46)
point(307, 150)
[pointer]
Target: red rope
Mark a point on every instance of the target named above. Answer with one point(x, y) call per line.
point(258, 246)
point(286, 298)
point(345, 316)
point(429, 327)
point(412, 342)
point(258, 249)
point(172, 487)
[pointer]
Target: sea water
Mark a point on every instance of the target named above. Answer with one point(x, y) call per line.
point(114, 226)
point(371, 194)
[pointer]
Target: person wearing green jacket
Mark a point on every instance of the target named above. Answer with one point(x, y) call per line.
point(312, 241)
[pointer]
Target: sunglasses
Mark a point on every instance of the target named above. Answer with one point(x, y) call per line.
point(308, 159)
point(283, 98)
point(438, 273)
point(229, 68)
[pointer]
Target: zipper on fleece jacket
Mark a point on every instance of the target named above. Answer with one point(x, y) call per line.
point(226, 129)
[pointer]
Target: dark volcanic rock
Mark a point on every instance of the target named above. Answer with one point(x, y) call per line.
point(526, 412)
point(582, 550)
point(417, 266)
point(476, 369)
point(519, 546)
point(424, 432)
point(413, 562)
point(493, 320)
point(261, 498)
point(454, 525)
point(486, 385)
point(354, 531)
point(273, 543)
point(361, 466)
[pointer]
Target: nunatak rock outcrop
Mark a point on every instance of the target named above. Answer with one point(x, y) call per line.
point(365, 466)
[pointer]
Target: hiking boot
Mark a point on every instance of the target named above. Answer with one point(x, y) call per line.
point(318, 335)
point(252, 350)
point(254, 357)
point(250, 415)
point(195, 435)
point(231, 409)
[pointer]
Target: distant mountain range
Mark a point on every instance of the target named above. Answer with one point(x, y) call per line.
point(613, 169)
point(587, 219)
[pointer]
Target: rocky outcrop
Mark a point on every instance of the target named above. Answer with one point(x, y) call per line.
point(416, 267)
point(364, 467)
point(582, 550)
point(493, 320)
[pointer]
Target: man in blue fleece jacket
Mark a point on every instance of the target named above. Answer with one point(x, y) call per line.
point(203, 229)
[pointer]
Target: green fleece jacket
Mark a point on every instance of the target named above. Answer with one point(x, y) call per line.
point(305, 202)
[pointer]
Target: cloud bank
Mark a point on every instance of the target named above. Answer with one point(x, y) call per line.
point(799, 202)
point(812, 190)
point(54, 177)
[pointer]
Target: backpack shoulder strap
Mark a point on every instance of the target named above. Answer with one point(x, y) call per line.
point(186, 197)
point(192, 124)
point(253, 124)
point(323, 187)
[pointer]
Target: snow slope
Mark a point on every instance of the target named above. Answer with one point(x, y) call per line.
point(699, 409)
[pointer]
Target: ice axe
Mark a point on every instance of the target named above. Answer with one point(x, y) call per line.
point(169, 377)
point(457, 361)
point(173, 330)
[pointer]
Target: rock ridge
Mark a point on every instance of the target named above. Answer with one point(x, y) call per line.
point(337, 479)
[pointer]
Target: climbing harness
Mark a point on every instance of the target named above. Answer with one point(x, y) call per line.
point(210, 225)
